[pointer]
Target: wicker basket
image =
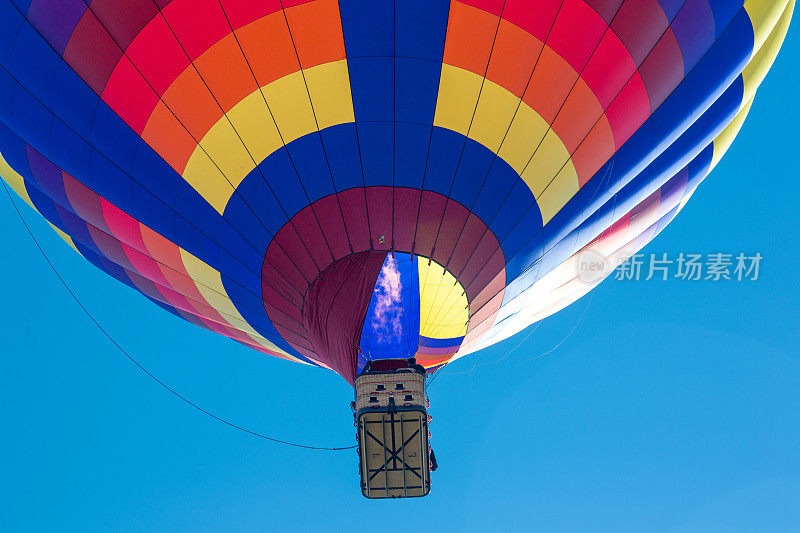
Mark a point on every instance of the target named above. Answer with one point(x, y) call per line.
point(406, 387)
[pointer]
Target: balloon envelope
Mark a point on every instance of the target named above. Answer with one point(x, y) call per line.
point(331, 182)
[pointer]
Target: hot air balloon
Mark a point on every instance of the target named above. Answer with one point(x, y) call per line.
point(371, 187)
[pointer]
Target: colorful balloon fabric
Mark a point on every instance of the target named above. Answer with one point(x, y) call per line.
point(330, 182)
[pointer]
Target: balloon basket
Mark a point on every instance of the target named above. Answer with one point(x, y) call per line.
point(392, 420)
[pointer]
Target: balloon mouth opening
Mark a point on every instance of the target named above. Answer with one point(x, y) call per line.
point(425, 278)
point(382, 305)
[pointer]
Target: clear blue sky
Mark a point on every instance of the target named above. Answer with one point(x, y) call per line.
point(675, 406)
